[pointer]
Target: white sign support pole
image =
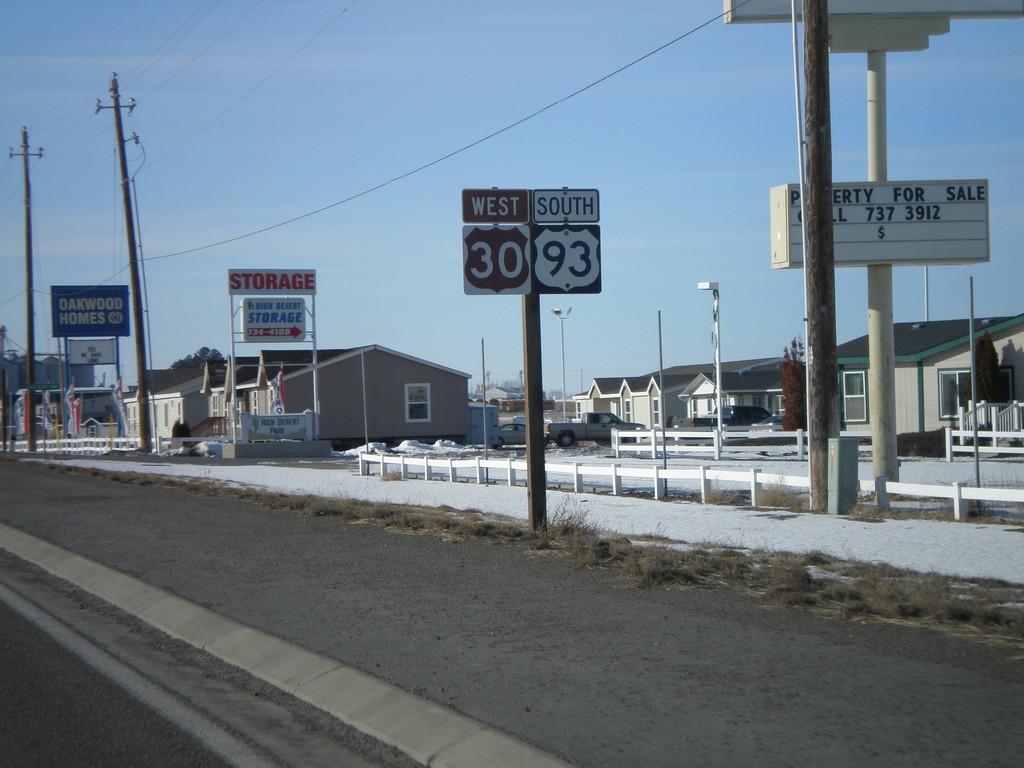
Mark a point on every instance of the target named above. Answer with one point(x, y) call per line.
point(881, 341)
point(229, 407)
point(316, 377)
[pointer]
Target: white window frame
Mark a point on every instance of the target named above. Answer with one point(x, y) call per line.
point(862, 396)
point(656, 411)
point(961, 379)
point(411, 390)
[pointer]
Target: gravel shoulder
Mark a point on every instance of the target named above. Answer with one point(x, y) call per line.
point(577, 662)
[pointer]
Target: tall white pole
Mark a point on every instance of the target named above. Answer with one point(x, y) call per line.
point(561, 328)
point(802, 157)
point(974, 387)
point(561, 325)
point(718, 367)
point(483, 400)
point(661, 397)
point(881, 344)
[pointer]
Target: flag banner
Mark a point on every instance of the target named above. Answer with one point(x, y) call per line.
point(72, 412)
point(21, 411)
point(117, 394)
point(277, 392)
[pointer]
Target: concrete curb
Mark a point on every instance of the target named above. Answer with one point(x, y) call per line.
point(427, 732)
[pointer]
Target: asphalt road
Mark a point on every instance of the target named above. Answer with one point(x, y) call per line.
point(576, 662)
point(84, 684)
point(57, 710)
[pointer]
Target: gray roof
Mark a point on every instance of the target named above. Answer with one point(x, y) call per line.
point(913, 341)
point(173, 379)
point(746, 375)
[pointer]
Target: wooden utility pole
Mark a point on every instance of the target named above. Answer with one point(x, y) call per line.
point(145, 432)
point(536, 480)
point(819, 256)
point(30, 293)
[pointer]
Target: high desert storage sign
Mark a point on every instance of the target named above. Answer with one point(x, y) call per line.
point(272, 282)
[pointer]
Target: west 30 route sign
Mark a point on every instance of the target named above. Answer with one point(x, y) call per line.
point(544, 241)
point(496, 260)
point(519, 259)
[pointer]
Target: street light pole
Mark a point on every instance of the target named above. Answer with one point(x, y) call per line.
point(561, 326)
point(713, 287)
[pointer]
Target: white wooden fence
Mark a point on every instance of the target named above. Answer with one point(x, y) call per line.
point(1004, 417)
point(616, 479)
point(677, 442)
point(988, 441)
point(79, 446)
point(653, 443)
point(957, 492)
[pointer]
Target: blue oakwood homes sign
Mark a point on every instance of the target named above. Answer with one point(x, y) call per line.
point(89, 310)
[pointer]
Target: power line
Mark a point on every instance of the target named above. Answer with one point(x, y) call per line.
point(258, 85)
point(172, 40)
point(447, 156)
point(216, 40)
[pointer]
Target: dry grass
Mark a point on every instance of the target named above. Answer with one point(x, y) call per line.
point(778, 496)
point(718, 495)
point(984, 609)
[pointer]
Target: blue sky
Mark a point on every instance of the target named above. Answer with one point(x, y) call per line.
point(254, 113)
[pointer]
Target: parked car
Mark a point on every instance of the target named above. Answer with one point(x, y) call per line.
point(772, 424)
point(510, 434)
point(733, 416)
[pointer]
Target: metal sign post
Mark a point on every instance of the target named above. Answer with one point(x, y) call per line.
point(527, 243)
point(273, 319)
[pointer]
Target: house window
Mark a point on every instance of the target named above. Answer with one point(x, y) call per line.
point(855, 401)
point(417, 402)
point(656, 411)
point(628, 411)
point(954, 391)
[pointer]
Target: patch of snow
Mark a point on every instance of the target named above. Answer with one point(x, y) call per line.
point(941, 546)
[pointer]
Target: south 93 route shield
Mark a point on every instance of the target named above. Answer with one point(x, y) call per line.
point(567, 259)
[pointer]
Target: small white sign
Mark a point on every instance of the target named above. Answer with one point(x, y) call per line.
point(92, 351)
point(565, 206)
point(282, 426)
point(892, 222)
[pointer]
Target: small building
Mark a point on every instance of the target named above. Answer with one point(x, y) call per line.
point(176, 396)
point(933, 368)
point(747, 382)
point(368, 392)
point(689, 391)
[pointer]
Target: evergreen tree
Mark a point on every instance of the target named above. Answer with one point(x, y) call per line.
point(794, 387)
point(199, 359)
point(991, 386)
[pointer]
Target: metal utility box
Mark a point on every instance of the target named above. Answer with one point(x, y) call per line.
point(842, 475)
point(477, 414)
